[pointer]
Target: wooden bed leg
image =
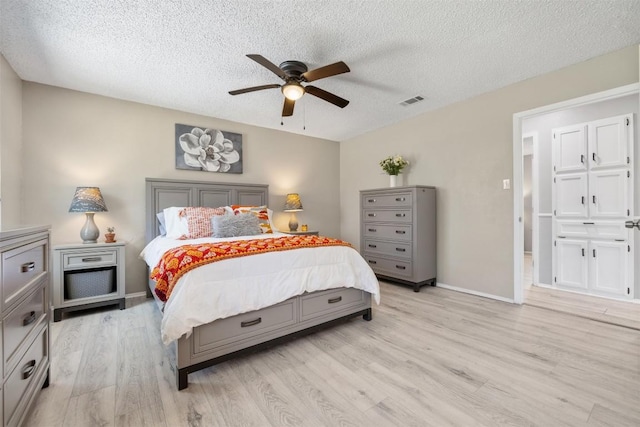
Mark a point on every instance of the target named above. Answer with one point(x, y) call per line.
point(368, 315)
point(416, 287)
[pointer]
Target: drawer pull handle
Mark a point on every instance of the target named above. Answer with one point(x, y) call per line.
point(372, 261)
point(92, 259)
point(401, 232)
point(250, 322)
point(29, 319)
point(28, 368)
point(28, 266)
point(401, 249)
point(588, 223)
point(594, 199)
point(334, 300)
point(371, 200)
point(401, 215)
point(373, 246)
point(401, 267)
point(400, 199)
point(582, 200)
point(373, 230)
point(372, 215)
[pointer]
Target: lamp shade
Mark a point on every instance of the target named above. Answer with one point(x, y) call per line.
point(293, 90)
point(88, 199)
point(293, 203)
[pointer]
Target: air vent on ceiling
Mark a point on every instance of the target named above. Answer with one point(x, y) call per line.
point(410, 101)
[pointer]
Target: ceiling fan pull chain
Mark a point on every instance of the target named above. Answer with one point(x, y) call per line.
point(304, 115)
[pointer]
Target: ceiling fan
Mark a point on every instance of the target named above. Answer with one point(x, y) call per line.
point(294, 73)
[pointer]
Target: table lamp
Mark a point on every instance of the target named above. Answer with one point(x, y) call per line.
point(293, 205)
point(89, 201)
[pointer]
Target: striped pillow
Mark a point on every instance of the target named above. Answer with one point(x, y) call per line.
point(199, 221)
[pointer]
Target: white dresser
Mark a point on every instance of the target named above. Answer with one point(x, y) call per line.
point(24, 269)
point(398, 233)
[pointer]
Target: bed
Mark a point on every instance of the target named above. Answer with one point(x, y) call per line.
point(199, 335)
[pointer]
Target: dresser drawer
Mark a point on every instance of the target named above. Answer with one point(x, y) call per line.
point(391, 267)
point(388, 231)
point(20, 321)
point(72, 261)
point(387, 200)
point(592, 229)
point(19, 380)
point(396, 249)
point(244, 326)
point(21, 268)
point(320, 304)
point(389, 215)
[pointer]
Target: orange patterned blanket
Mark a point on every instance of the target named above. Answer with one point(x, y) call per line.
point(176, 262)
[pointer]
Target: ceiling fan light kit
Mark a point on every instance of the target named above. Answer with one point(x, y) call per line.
point(294, 73)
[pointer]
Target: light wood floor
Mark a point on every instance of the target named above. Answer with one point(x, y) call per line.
point(623, 313)
point(433, 358)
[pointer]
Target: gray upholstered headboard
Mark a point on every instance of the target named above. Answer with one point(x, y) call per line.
point(164, 193)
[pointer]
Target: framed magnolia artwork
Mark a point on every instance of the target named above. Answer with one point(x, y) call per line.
point(209, 150)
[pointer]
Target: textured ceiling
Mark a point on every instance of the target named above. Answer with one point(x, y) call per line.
point(187, 54)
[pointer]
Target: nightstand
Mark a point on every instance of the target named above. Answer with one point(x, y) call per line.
point(87, 276)
point(301, 233)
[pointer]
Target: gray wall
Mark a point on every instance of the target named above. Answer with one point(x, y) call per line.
point(465, 150)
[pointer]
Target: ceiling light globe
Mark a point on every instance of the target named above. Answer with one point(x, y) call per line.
point(293, 91)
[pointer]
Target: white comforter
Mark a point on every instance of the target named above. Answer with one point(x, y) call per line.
point(238, 285)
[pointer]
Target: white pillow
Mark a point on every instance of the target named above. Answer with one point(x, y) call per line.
point(176, 224)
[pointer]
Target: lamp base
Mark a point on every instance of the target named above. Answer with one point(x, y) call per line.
point(293, 222)
point(89, 233)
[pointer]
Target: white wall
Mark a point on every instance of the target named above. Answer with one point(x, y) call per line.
point(466, 150)
point(10, 146)
point(78, 139)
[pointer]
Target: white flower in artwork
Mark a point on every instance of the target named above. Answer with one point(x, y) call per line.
point(208, 149)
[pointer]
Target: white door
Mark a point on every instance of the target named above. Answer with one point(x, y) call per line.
point(608, 268)
point(569, 149)
point(609, 194)
point(608, 142)
point(571, 196)
point(571, 264)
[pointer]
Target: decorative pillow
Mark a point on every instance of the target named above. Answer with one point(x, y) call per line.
point(175, 223)
point(162, 227)
point(261, 212)
point(199, 221)
point(243, 224)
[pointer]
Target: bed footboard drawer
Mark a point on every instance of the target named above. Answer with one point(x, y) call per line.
point(323, 303)
point(244, 326)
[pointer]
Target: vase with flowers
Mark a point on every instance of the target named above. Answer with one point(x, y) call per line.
point(393, 166)
point(110, 236)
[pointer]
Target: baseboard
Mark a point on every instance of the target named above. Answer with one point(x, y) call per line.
point(136, 295)
point(476, 293)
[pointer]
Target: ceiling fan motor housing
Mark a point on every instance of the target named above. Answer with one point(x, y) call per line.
point(294, 69)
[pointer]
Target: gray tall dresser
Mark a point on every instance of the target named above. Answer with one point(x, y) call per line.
point(398, 233)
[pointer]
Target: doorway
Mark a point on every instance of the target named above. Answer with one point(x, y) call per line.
point(518, 181)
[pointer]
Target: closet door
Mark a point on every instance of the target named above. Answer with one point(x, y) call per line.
point(571, 264)
point(570, 149)
point(571, 196)
point(609, 194)
point(608, 142)
point(608, 268)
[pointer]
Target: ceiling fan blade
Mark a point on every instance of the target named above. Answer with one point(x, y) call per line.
point(287, 108)
point(326, 71)
point(327, 96)
point(253, 89)
point(269, 65)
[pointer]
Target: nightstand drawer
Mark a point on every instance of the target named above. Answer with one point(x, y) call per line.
point(398, 199)
point(22, 319)
point(329, 301)
point(396, 232)
point(395, 249)
point(73, 261)
point(22, 267)
point(396, 215)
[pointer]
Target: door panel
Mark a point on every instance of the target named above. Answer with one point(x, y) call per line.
point(608, 194)
point(608, 145)
point(571, 196)
point(571, 264)
point(570, 147)
point(608, 268)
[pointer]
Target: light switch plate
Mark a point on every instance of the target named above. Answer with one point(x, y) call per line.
point(506, 184)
